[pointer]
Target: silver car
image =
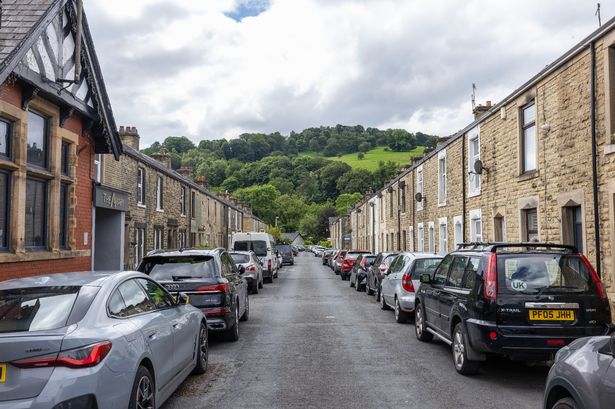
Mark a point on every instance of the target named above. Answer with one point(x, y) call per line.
point(402, 279)
point(583, 375)
point(250, 268)
point(95, 340)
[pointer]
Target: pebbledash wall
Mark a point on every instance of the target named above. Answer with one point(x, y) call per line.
point(537, 181)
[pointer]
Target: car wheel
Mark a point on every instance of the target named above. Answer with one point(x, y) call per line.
point(401, 316)
point(276, 274)
point(420, 327)
point(383, 303)
point(357, 286)
point(232, 334)
point(460, 355)
point(566, 403)
point(351, 281)
point(246, 313)
point(202, 352)
point(143, 390)
point(368, 290)
point(260, 283)
point(254, 289)
point(269, 279)
point(378, 294)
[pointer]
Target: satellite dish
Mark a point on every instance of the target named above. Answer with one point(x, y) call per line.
point(419, 197)
point(478, 167)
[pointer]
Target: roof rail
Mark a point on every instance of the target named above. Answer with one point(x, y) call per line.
point(494, 246)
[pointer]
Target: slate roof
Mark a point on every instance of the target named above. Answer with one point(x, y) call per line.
point(291, 236)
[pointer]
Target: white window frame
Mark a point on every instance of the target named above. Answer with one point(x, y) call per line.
point(182, 201)
point(140, 187)
point(139, 245)
point(442, 178)
point(158, 238)
point(476, 216)
point(458, 235)
point(431, 236)
point(419, 186)
point(411, 246)
point(159, 204)
point(443, 238)
point(474, 180)
point(98, 168)
point(421, 237)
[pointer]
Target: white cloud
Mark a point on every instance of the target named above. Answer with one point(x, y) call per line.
point(185, 68)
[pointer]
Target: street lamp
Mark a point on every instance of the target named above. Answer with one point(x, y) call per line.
point(276, 221)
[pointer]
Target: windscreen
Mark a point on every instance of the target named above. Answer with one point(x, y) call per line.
point(240, 258)
point(36, 309)
point(369, 260)
point(259, 247)
point(542, 273)
point(179, 268)
point(424, 266)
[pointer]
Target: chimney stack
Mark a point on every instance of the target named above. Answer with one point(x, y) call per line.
point(185, 171)
point(481, 109)
point(163, 157)
point(130, 136)
point(202, 181)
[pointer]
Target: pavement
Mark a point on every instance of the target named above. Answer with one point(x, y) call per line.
point(314, 342)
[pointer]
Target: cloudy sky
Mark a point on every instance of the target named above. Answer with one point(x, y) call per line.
point(208, 69)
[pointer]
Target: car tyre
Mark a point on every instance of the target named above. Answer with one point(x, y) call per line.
point(357, 286)
point(463, 365)
point(260, 283)
point(254, 289)
point(401, 316)
point(232, 334)
point(202, 352)
point(246, 313)
point(143, 390)
point(420, 328)
point(352, 283)
point(368, 290)
point(566, 403)
point(383, 303)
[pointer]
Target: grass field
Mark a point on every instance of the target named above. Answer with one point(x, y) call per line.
point(370, 162)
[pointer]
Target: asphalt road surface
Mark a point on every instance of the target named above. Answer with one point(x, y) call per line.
point(314, 342)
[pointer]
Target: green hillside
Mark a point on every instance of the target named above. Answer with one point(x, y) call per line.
point(372, 157)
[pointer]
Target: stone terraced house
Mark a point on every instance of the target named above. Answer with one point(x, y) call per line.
point(538, 165)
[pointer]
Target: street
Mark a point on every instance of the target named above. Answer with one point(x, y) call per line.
point(314, 342)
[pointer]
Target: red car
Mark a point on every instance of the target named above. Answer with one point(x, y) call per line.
point(348, 261)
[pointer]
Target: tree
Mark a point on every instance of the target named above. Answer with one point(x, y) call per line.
point(178, 144)
point(345, 201)
point(290, 211)
point(329, 176)
point(261, 199)
point(364, 147)
point(285, 186)
point(361, 156)
point(357, 180)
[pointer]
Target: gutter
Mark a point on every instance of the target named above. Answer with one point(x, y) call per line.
point(592, 52)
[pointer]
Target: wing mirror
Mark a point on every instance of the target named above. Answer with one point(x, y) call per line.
point(613, 345)
point(425, 279)
point(182, 298)
point(242, 269)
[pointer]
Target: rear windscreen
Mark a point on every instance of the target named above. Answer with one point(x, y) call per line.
point(353, 255)
point(285, 249)
point(369, 260)
point(36, 309)
point(258, 246)
point(179, 268)
point(424, 266)
point(240, 258)
point(542, 273)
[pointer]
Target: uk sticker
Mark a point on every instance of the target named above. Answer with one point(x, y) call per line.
point(518, 285)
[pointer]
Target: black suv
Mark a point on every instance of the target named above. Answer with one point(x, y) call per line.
point(211, 280)
point(521, 300)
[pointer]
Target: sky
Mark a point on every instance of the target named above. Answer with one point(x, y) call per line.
point(210, 69)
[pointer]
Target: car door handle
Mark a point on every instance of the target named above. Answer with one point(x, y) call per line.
point(176, 325)
point(152, 335)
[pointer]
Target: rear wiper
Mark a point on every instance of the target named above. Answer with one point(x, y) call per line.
point(179, 278)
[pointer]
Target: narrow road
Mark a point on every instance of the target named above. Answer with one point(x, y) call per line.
point(314, 342)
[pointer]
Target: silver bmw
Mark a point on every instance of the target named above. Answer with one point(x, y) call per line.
point(95, 340)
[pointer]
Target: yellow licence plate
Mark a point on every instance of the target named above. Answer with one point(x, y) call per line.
point(2, 373)
point(551, 315)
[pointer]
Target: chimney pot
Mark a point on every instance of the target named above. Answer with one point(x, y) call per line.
point(130, 136)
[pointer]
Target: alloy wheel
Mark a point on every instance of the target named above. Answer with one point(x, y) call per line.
point(397, 308)
point(458, 350)
point(145, 395)
point(204, 346)
point(418, 321)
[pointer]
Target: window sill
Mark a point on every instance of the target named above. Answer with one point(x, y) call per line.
point(443, 204)
point(142, 206)
point(528, 176)
point(160, 210)
point(473, 194)
point(8, 164)
point(36, 255)
point(608, 149)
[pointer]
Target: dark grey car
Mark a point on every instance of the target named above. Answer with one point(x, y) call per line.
point(95, 340)
point(583, 375)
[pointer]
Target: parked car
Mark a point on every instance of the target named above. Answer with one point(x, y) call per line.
point(212, 281)
point(286, 252)
point(295, 251)
point(331, 259)
point(318, 250)
point(263, 245)
point(521, 300)
point(402, 279)
point(337, 263)
point(326, 255)
point(376, 271)
point(95, 340)
point(250, 269)
point(358, 274)
point(583, 375)
point(348, 261)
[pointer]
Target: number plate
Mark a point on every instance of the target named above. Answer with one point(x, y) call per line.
point(551, 315)
point(2, 373)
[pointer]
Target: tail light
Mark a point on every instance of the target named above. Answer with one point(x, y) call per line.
point(382, 268)
point(269, 264)
point(84, 357)
point(214, 288)
point(251, 268)
point(490, 288)
point(599, 286)
point(406, 283)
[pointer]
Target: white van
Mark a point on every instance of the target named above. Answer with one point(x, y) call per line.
point(263, 245)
